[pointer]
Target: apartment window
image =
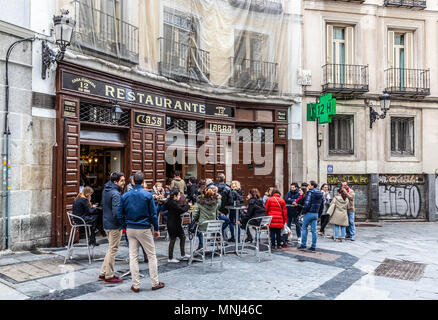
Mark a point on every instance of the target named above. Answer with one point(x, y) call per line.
point(400, 50)
point(402, 136)
point(339, 54)
point(341, 135)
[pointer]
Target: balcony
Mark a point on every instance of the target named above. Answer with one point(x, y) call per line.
point(416, 4)
point(183, 62)
point(99, 32)
point(265, 6)
point(345, 78)
point(357, 1)
point(253, 75)
point(407, 82)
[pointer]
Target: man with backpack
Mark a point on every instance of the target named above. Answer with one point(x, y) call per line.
point(227, 200)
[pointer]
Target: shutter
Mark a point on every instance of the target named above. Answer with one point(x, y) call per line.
point(410, 75)
point(329, 45)
point(390, 82)
point(349, 56)
point(329, 54)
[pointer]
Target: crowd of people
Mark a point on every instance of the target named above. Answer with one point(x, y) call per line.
point(133, 210)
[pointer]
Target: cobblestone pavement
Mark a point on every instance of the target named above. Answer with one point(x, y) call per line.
point(337, 271)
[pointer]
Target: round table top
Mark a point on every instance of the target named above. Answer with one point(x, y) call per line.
point(235, 207)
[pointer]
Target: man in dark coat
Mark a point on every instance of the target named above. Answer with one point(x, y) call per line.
point(110, 203)
point(292, 212)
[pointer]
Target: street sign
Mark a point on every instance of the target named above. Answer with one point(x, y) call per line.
point(329, 168)
point(324, 110)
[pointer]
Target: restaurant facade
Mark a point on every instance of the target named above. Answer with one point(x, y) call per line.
point(106, 123)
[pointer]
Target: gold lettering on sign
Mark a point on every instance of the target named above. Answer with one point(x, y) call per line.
point(149, 100)
point(187, 106)
point(178, 105)
point(148, 120)
point(159, 101)
point(167, 102)
point(109, 91)
point(220, 111)
point(120, 93)
point(140, 96)
point(220, 128)
point(131, 96)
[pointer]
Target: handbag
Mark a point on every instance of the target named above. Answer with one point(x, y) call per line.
point(192, 226)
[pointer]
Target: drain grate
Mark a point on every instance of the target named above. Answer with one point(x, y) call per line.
point(402, 270)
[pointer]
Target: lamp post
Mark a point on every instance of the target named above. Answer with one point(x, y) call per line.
point(64, 26)
point(385, 104)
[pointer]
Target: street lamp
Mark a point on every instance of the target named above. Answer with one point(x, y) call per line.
point(385, 104)
point(116, 112)
point(64, 26)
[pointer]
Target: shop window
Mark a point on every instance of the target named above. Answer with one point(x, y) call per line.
point(102, 114)
point(402, 136)
point(341, 135)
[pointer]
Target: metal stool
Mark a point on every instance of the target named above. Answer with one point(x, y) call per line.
point(261, 228)
point(213, 242)
point(74, 226)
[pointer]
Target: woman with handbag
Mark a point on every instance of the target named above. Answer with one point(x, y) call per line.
point(276, 207)
point(338, 215)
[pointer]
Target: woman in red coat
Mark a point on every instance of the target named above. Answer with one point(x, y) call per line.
point(276, 207)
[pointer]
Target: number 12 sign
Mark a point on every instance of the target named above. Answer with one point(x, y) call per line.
point(324, 110)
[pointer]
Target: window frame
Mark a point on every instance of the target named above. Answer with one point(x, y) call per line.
point(337, 136)
point(407, 120)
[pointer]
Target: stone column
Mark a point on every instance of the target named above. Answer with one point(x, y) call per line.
point(431, 197)
point(374, 197)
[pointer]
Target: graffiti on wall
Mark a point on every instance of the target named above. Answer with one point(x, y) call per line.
point(350, 178)
point(401, 196)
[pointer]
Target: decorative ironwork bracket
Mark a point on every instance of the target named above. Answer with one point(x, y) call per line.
point(374, 116)
point(50, 57)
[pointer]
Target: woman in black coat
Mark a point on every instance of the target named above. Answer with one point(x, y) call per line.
point(82, 208)
point(174, 224)
point(255, 209)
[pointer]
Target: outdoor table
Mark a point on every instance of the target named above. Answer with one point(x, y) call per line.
point(236, 227)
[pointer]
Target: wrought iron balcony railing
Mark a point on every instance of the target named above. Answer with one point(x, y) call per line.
point(345, 78)
point(183, 62)
point(254, 75)
point(358, 1)
point(265, 6)
point(407, 81)
point(419, 4)
point(101, 32)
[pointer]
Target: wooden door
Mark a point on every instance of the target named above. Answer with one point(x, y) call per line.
point(71, 170)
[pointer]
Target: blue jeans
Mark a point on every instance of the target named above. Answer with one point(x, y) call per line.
point(336, 230)
point(294, 218)
point(226, 224)
point(275, 236)
point(351, 229)
point(201, 239)
point(309, 218)
point(233, 223)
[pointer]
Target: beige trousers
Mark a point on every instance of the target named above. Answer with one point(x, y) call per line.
point(114, 237)
point(146, 239)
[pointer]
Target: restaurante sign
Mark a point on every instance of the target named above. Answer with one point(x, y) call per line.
point(112, 91)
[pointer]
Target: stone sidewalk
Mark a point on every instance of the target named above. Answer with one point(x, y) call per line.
point(395, 261)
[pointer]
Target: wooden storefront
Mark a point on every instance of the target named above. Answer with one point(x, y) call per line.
point(137, 141)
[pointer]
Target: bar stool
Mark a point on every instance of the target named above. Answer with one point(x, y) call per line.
point(212, 242)
point(260, 228)
point(74, 226)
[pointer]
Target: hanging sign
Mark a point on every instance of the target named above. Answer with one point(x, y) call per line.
point(323, 111)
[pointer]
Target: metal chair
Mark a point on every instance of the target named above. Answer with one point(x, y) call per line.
point(259, 228)
point(213, 242)
point(74, 226)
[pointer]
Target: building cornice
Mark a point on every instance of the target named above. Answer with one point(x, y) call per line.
point(15, 30)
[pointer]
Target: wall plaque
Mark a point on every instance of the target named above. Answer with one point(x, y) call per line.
point(281, 115)
point(69, 109)
point(220, 128)
point(282, 133)
point(142, 119)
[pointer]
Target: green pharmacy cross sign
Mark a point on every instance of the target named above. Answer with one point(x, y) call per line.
point(324, 110)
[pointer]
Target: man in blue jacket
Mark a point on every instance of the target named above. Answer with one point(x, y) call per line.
point(138, 214)
point(311, 208)
point(292, 213)
point(111, 225)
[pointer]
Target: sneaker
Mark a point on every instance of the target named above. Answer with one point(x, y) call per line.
point(351, 239)
point(173, 260)
point(93, 244)
point(284, 245)
point(185, 257)
point(113, 280)
point(231, 240)
point(248, 240)
point(320, 233)
point(301, 248)
point(101, 277)
point(299, 240)
point(312, 249)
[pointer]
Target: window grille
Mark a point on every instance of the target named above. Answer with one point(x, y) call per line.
point(341, 135)
point(102, 115)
